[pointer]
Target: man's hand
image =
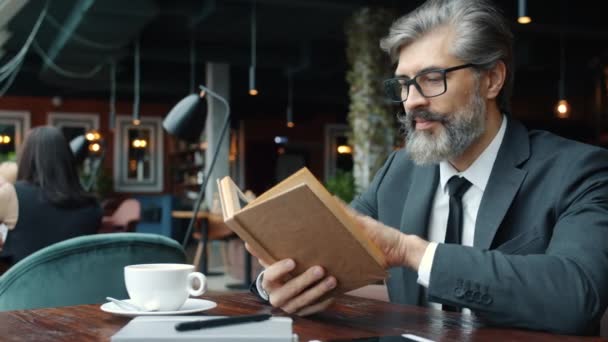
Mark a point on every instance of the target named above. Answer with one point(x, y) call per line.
point(399, 249)
point(296, 295)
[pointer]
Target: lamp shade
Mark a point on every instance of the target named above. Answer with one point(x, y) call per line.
point(79, 145)
point(186, 119)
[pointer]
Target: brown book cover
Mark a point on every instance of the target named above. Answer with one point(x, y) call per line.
point(298, 218)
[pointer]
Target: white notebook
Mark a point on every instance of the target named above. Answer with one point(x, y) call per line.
point(162, 328)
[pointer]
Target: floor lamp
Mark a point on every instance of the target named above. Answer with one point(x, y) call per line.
point(186, 121)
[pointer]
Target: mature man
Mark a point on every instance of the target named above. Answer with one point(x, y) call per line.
point(476, 212)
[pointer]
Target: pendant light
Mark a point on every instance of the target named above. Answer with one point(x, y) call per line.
point(136, 85)
point(289, 112)
point(523, 17)
point(562, 108)
point(253, 91)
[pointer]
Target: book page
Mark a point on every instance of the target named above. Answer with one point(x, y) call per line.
point(232, 198)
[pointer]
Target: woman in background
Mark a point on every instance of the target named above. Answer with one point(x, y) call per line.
point(47, 204)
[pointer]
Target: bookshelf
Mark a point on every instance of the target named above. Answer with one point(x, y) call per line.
point(186, 166)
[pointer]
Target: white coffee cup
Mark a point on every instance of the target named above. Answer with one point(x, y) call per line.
point(162, 287)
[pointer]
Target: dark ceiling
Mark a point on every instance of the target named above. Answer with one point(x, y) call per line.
point(307, 35)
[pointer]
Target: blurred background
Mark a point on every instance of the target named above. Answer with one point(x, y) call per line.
point(101, 64)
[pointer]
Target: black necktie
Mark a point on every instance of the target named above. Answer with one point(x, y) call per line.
point(457, 186)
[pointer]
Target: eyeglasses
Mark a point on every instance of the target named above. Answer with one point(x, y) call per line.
point(429, 83)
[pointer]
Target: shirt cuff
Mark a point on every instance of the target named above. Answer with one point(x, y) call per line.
point(258, 285)
point(426, 264)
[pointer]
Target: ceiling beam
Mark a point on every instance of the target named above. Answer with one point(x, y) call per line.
point(70, 25)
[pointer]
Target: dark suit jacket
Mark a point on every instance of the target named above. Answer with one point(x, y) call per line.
point(540, 255)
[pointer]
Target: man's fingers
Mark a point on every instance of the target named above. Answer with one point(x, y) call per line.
point(291, 289)
point(309, 310)
point(275, 273)
point(310, 296)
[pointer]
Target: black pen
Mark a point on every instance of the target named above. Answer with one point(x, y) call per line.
point(218, 322)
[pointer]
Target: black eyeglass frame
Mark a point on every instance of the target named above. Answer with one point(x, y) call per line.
point(407, 83)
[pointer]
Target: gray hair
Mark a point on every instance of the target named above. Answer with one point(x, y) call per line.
point(482, 35)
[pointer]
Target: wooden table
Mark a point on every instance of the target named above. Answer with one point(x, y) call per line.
point(350, 317)
point(187, 214)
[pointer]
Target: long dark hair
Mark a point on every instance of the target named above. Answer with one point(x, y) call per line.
point(47, 162)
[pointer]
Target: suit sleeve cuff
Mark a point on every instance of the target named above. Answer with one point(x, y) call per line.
point(426, 265)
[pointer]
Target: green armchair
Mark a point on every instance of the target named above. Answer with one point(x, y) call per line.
point(82, 270)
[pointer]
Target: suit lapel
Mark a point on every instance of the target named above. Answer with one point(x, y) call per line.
point(414, 220)
point(417, 207)
point(504, 183)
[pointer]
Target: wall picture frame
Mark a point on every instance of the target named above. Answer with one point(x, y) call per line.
point(138, 155)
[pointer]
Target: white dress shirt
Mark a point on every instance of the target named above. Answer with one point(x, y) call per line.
point(478, 174)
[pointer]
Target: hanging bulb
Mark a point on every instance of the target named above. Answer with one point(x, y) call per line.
point(523, 18)
point(562, 109)
point(136, 84)
point(289, 111)
point(252, 90)
point(290, 122)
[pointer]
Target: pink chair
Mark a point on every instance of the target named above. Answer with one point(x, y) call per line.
point(124, 219)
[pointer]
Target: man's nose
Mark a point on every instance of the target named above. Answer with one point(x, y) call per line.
point(414, 99)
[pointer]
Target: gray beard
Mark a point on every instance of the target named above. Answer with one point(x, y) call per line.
point(457, 132)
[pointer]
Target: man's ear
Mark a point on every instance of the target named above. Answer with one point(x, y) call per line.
point(495, 80)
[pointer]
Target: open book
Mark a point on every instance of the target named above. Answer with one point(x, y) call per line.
point(299, 219)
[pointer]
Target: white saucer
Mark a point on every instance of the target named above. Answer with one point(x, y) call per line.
point(191, 305)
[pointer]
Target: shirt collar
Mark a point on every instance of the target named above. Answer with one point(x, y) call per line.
point(479, 172)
